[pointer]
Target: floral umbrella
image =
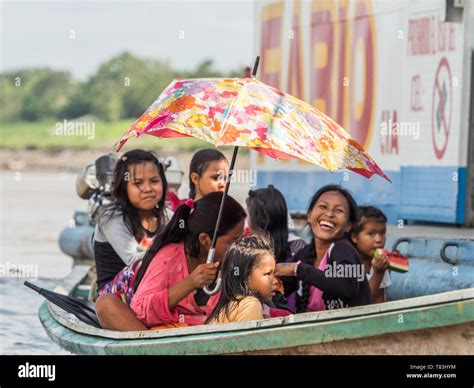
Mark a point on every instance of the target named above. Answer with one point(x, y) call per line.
point(245, 112)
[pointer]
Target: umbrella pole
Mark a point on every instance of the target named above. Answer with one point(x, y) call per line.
point(255, 66)
point(210, 257)
point(221, 208)
point(212, 251)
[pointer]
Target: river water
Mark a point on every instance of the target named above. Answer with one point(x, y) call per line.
point(35, 207)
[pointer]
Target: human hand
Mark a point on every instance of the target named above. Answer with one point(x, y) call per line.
point(381, 263)
point(204, 275)
point(285, 269)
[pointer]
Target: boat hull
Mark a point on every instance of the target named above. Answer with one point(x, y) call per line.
point(446, 340)
point(433, 324)
point(425, 332)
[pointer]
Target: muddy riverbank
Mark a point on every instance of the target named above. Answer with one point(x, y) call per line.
point(73, 160)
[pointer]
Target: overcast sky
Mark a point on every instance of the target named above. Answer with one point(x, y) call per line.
point(78, 35)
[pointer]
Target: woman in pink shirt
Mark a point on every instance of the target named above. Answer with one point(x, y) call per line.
point(174, 270)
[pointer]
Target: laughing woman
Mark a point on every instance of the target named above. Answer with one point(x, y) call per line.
point(331, 214)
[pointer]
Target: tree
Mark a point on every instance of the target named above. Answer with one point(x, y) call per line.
point(32, 94)
point(124, 86)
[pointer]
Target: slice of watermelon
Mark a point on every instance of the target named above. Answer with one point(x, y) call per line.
point(398, 262)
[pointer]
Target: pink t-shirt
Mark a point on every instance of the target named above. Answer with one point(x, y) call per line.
point(150, 303)
point(315, 301)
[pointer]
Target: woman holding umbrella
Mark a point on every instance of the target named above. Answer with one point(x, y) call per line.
point(174, 269)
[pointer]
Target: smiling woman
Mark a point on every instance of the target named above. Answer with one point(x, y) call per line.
point(331, 214)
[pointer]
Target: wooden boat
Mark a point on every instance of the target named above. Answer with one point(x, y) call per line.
point(434, 324)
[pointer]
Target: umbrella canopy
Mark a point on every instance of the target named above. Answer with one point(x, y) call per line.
point(82, 309)
point(248, 113)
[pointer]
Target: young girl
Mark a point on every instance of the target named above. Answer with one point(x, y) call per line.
point(247, 281)
point(133, 218)
point(329, 270)
point(368, 234)
point(267, 212)
point(174, 270)
point(208, 171)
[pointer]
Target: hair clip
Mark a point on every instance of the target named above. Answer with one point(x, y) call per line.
point(124, 158)
point(190, 203)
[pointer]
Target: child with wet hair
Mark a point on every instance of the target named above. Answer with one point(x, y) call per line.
point(248, 281)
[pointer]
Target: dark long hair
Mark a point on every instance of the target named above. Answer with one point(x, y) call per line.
point(308, 253)
point(241, 258)
point(199, 164)
point(268, 212)
point(122, 204)
point(187, 224)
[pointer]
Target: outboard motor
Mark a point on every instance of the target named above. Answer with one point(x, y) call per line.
point(93, 184)
point(104, 170)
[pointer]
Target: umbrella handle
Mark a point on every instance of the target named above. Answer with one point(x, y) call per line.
point(217, 287)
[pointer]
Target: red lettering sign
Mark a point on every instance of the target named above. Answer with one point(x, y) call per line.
point(270, 44)
point(361, 117)
point(321, 54)
point(389, 133)
point(295, 68)
point(416, 91)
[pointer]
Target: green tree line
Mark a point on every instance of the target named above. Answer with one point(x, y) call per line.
point(122, 87)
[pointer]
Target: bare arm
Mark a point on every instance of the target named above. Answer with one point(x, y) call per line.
point(202, 276)
point(379, 266)
point(378, 294)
